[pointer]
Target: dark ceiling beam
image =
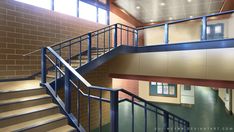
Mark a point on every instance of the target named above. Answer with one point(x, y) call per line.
point(175, 80)
point(123, 14)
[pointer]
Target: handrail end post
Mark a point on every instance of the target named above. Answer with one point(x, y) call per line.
point(114, 110)
point(204, 28)
point(43, 65)
point(67, 87)
point(187, 126)
point(115, 35)
point(166, 33)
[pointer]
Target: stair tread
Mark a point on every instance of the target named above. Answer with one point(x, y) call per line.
point(19, 85)
point(33, 123)
point(23, 99)
point(20, 112)
point(66, 128)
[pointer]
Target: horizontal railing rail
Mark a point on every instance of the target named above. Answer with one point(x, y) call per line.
point(73, 80)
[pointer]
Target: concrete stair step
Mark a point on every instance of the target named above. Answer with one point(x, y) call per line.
point(21, 92)
point(23, 102)
point(41, 124)
point(66, 128)
point(26, 114)
point(19, 86)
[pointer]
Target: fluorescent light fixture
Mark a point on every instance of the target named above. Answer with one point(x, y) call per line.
point(162, 4)
point(190, 16)
point(170, 18)
point(189, 0)
point(138, 7)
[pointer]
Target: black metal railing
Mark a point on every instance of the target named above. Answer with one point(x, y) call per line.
point(74, 81)
point(90, 46)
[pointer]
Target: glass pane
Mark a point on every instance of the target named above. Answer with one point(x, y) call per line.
point(40, 3)
point(87, 11)
point(159, 88)
point(208, 30)
point(171, 90)
point(102, 16)
point(68, 7)
point(165, 90)
point(218, 29)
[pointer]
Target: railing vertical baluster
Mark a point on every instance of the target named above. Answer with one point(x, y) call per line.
point(178, 125)
point(78, 104)
point(173, 123)
point(116, 36)
point(100, 111)
point(69, 53)
point(114, 111)
point(104, 40)
point(89, 110)
point(67, 87)
point(204, 26)
point(89, 46)
point(80, 56)
point(127, 35)
point(165, 121)
point(43, 65)
point(133, 37)
point(109, 39)
point(56, 76)
point(156, 119)
point(145, 113)
point(97, 44)
point(60, 53)
point(187, 127)
point(136, 38)
point(121, 33)
point(133, 114)
point(166, 33)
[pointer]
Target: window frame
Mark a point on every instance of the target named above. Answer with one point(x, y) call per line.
point(95, 3)
point(213, 35)
point(163, 87)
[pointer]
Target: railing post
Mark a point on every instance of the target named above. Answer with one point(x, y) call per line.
point(43, 65)
point(166, 33)
point(115, 36)
point(114, 111)
point(67, 86)
point(136, 38)
point(89, 46)
point(187, 126)
point(166, 122)
point(204, 25)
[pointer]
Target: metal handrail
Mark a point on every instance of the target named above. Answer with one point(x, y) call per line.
point(89, 86)
point(80, 36)
point(184, 20)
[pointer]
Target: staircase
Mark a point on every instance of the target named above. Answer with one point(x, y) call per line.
point(25, 106)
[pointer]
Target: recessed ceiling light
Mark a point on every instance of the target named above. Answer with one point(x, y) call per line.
point(170, 18)
point(138, 7)
point(162, 4)
point(151, 20)
point(189, 0)
point(190, 16)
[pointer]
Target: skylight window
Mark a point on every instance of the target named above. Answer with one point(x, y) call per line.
point(87, 11)
point(68, 7)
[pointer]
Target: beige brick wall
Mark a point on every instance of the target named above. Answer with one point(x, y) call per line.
point(25, 28)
